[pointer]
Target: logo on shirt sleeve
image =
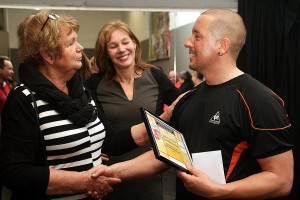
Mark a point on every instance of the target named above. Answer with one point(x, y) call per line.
point(215, 119)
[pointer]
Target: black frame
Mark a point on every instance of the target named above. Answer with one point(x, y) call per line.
point(153, 142)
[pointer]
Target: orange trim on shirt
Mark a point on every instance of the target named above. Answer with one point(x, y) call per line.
point(251, 120)
point(280, 100)
point(238, 150)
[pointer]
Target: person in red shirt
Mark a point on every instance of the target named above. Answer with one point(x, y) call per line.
point(6, 74)
point(173, 76)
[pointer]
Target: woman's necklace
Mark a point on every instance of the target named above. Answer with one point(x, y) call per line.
point(125, 81)
point(128, 81)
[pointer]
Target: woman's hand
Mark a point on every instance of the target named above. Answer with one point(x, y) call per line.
point(139, 134)
point(169, 111)
point(104, 157)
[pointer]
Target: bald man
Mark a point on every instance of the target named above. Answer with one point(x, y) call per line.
point(231, 112)
point(174, 78)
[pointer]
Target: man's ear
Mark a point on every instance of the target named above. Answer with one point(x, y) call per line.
point(47, 57)
point(223, 46)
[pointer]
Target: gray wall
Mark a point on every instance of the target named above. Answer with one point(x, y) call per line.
point(4, 50)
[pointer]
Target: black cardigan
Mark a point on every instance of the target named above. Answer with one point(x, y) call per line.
point(22, 157)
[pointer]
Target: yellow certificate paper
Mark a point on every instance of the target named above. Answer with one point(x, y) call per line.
point(168, 143)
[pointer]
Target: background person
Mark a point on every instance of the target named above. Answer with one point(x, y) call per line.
point(185, 79)
point(174, 78)
point(231, 112)
point(197, 78)
point(124, 84)
point(6, 74)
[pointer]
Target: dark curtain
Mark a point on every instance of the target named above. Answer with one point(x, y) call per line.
point(272, 55)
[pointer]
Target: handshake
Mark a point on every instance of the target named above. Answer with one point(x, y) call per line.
point(100, 181)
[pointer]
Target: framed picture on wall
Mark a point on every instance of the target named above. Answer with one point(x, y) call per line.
point(159, 41)
point(2, 19)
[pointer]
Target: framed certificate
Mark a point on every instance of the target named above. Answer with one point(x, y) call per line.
point(168, 144)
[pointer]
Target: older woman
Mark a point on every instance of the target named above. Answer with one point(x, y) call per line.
point(124, 84)
point(53, 132)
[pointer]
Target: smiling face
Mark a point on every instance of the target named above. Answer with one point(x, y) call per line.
point(121, 50)
point(71, 53)
point(202, 44)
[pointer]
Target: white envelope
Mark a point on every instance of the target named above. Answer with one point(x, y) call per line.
point(210, 163)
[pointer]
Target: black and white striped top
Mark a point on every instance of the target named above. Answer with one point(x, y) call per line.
point(67, 146)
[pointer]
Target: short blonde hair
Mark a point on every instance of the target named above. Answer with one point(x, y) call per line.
point(229, 24)
point(102, 58)
point(39, 32)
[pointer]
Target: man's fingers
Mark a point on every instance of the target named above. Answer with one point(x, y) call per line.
point(113, 181)
point(98, 171)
